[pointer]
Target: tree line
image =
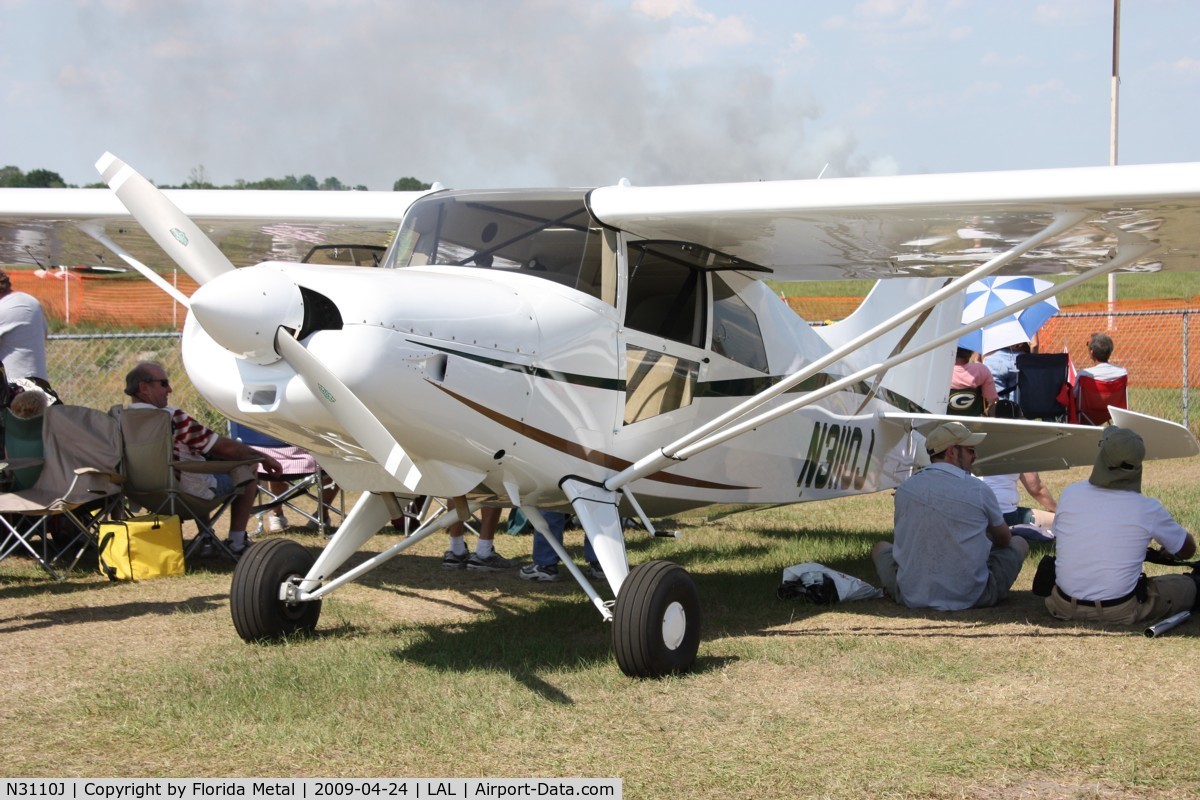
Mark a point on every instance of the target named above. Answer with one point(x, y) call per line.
point(13, 177)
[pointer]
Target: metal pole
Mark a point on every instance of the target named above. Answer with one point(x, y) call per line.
point(1186, 371)
point(1112, 126)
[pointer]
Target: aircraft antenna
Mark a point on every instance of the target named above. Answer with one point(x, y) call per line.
point(821, 174)
point(31, 255)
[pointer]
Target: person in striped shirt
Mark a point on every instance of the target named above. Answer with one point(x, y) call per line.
point(149, 387)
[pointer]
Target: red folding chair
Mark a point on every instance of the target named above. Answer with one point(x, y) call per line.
point(1095, 396)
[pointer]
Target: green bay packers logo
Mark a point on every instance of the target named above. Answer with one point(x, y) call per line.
point(965, 402)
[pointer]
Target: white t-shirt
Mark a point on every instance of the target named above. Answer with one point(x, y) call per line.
point(1101, 539)
point(1104, 372)
point(23, 332)
point(1005, 489)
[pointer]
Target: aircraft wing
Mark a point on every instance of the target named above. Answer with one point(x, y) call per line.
point(923, 225)
point(1022, 446)
point(879, 227)
point(68, 226)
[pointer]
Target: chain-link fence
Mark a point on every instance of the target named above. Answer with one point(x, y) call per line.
point(89, 369)
point(1161, 350)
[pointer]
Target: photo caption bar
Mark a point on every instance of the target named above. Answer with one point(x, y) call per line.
point(308, 788)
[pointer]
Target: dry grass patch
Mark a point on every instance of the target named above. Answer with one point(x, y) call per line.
point(421, 671)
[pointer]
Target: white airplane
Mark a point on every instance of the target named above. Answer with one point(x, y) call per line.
point(613, 352)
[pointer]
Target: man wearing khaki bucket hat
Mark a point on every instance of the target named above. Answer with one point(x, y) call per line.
point(1102, 529)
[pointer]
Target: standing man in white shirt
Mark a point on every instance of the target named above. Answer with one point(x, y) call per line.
point(23, 333)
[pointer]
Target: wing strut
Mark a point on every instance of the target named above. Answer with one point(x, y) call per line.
point(95, 230)
point(1130, 247)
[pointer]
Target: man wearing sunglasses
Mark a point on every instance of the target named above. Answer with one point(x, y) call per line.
point(149, 387)
point(953, 549)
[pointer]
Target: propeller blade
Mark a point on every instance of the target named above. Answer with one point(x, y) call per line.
point(182, 240)
point(348, 410)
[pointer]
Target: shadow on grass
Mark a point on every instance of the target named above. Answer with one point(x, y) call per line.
point(562, 633)
point(114, 613)
point(531, 631)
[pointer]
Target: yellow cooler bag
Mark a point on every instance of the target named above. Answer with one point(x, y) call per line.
point(141, 547)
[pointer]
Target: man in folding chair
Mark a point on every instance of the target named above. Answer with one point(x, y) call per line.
point(1100, 385)
point(147, 384)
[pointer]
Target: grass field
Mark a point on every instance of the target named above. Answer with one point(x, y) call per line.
point(1152, 285)
point(421, 672)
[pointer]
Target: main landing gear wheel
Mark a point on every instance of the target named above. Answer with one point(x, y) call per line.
point(258, 613)
point(656, 621)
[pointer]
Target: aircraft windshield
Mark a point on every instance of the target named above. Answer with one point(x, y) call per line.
point(543, 235)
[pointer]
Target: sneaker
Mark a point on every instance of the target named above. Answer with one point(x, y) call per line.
point(276, 523)
point(539, 572)
point(493, 563)
point(594, 571)
point(451, 560)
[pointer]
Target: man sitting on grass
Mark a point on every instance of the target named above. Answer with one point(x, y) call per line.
point(953, 549)
point(1102, 529)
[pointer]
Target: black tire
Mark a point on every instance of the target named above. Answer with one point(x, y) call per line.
point(656, 621)
point(258, 613)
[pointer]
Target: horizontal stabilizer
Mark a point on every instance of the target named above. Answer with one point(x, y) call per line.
point(1025, 446)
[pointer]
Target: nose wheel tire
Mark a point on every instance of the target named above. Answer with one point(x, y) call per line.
point(656, 621)
point(258, 613)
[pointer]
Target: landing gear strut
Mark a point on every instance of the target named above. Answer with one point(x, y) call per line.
point(656, 621)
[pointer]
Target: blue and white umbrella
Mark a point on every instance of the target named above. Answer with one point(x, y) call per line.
point(992, 294)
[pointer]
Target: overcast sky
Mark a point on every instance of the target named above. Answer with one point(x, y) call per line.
point(486, 93)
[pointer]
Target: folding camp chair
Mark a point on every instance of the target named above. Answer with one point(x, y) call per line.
point(1095, 396)
point(1042, 386)
point(151, 480)
point(79, 485)
point(302, 478)
point(23, 449)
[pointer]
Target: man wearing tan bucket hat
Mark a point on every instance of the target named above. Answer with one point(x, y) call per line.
point(953, 549)
point(1102, 529)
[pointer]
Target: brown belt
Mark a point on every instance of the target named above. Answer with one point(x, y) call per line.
point(1116, 601)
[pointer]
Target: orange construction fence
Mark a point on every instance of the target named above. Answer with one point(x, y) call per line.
point(1150, 334)
point(127, 302)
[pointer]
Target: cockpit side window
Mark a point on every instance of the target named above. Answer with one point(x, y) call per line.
point(548, 237)
point(736, 334)
point(666, 292)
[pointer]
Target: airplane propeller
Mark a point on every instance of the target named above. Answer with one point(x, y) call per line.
point(182, 240)
point(253, 313)
point(350, 412)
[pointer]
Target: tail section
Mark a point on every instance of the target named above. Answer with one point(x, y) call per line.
point(924, 381)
